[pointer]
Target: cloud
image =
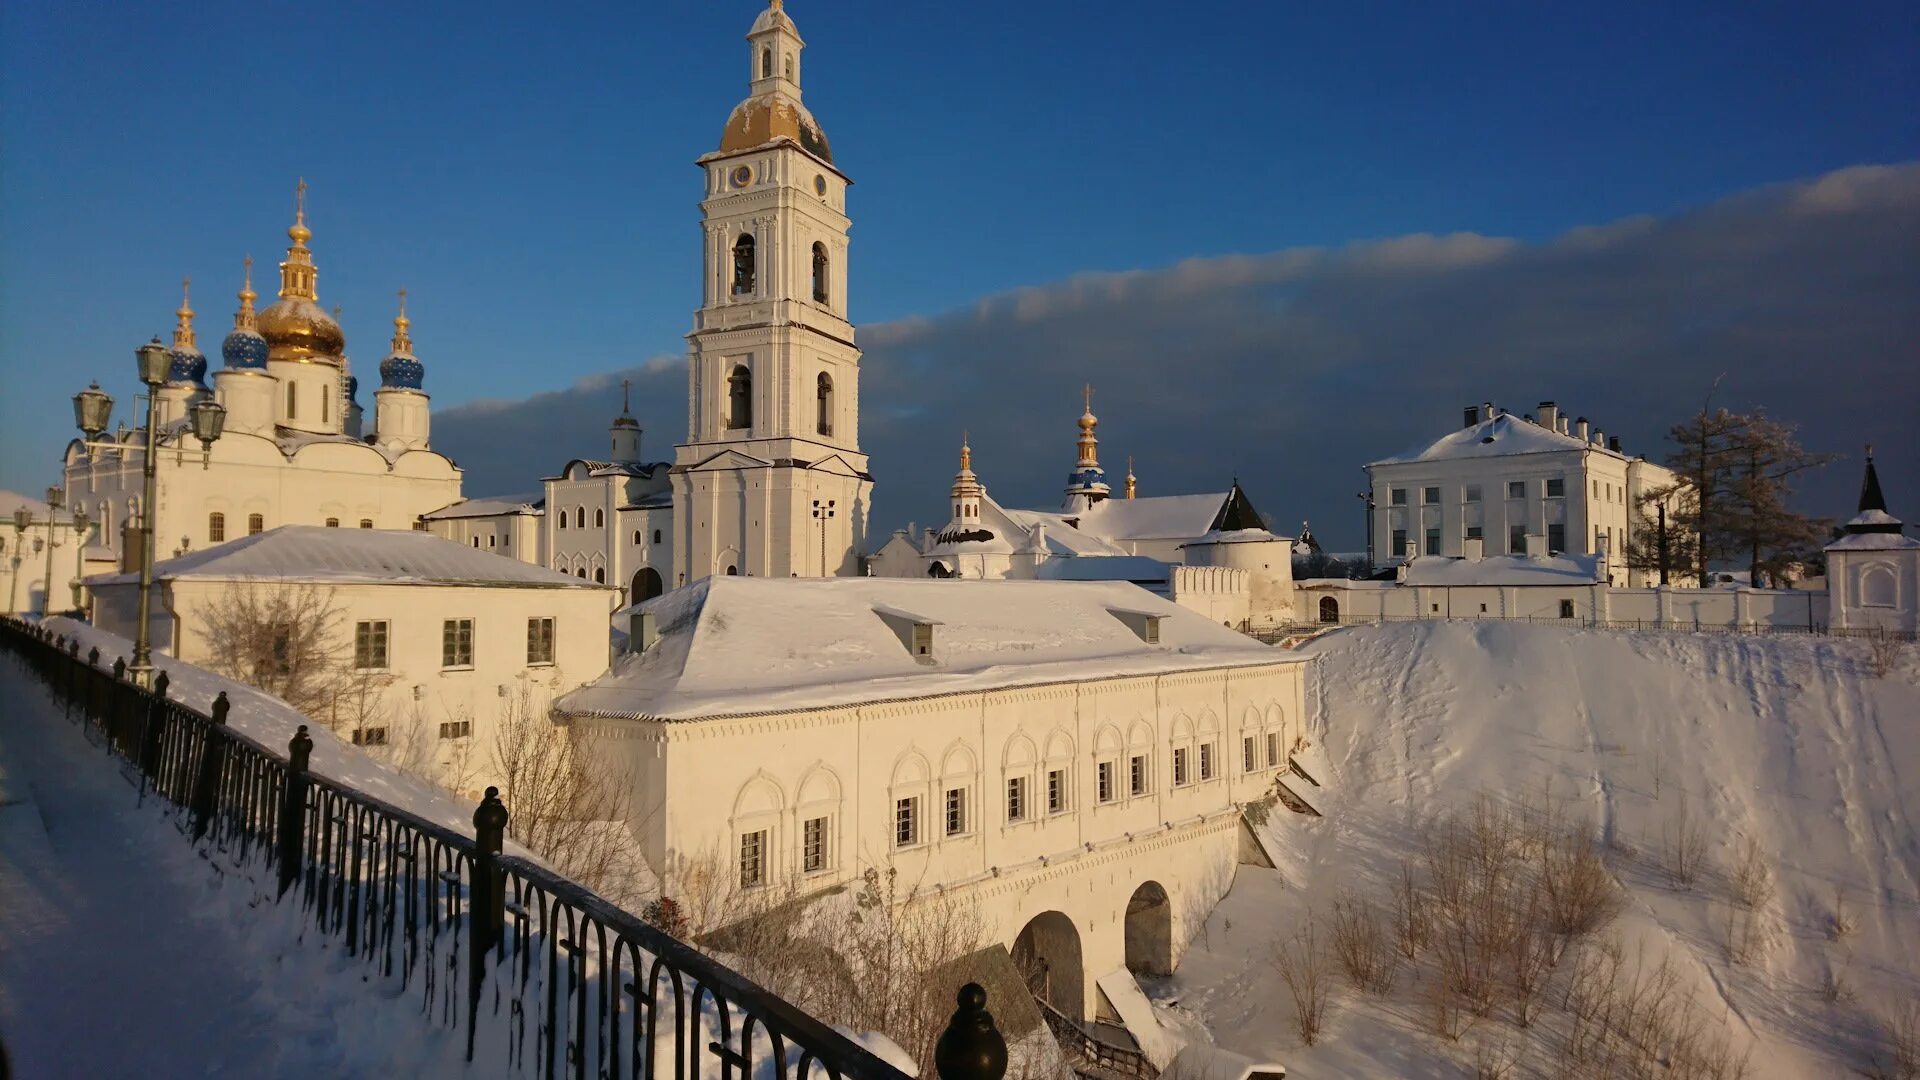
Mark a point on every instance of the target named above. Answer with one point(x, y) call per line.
point(1291, 369)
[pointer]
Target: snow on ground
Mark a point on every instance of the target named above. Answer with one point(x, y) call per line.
point(123, 952)
point(1790, 741)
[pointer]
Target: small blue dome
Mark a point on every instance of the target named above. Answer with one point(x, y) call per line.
point(353, 387)
point(245, 349)
point(187, 366)
point(401, 371)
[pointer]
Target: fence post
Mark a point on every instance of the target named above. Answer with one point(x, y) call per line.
point(486, 901)
point(293, 808)
point(150, 730)
point(118, 708)
point(73, 675)
point(971, 1048)
point(213, 759)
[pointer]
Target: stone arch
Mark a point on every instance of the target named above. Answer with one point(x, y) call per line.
point(1879, 586)
point(1329, 609)
point(1019, 754)
point(817, 797)
point(1149, 930)
point(1047, 954)
point(646, 585)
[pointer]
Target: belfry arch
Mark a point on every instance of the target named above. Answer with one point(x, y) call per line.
point(1047, 955)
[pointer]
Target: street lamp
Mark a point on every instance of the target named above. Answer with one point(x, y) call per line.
point(91, 409)
point(151, 363)
point(81, 523)
point(55, 497)
point(209, 418)
point(22, 517)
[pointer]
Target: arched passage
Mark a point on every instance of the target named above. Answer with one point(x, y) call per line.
point(1150, 931)
point(646, 585)
point(1329, 610)
point(1047, 955)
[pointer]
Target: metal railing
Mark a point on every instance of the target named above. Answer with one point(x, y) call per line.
point(535, 969)
point(1273, 635)
point(1078, 1042)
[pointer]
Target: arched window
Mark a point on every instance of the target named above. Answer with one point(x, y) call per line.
point(819, 273)
point(766, 63)
point(292, 403)
point(333, 523)
point(740, 398)
point(256, 524)
point(216, 528)
point(636, 538)
point(1329, 610)
point(823, 396)
point(789, 65)
point(366, 523)
point(743, 272)
point(323, 406)
point(656, 536)
point(733, 571)
point(599, 575)
point(1878, 587)
point(579, 517)
point(599, 518)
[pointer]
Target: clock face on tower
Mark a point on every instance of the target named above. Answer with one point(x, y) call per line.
point(820, 185)
point(742, 176)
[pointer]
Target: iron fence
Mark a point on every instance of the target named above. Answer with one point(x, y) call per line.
point(1273, 635)
point(535, 970)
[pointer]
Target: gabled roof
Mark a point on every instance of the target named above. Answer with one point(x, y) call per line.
point(1504, 570)
point(1503, 435)
point(740, 645)
point(490, 506)
point(1163, 517)
point(313, 553)
point(596, 467)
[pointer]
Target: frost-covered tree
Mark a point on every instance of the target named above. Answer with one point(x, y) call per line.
point(279, 638)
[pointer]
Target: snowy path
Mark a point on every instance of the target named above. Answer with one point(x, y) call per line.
point(123, 952)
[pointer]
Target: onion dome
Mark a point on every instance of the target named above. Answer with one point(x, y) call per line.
point(186, 364)
point(295, 326)
point(774, 112)
point(244, 348)
point(400, 370)
point(1088, 479)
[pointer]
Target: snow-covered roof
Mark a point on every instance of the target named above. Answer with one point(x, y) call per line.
point(1163, 517)
point(353, 556)
point(1874, 541)
point(13, 500)
point(659, 500)
point(1134, 568)
point(1504, 570)
point(1236, 536)
point(739, 645)
point(1061, 538)
point(597, 467)
point(1501, 436)
point(491, 506)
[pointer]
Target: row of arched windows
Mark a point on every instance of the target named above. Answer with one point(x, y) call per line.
point(256, 523)
point(579, 516)
point(740, 400)
point(746, 269)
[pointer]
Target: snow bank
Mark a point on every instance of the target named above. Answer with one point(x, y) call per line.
point(1791, 742)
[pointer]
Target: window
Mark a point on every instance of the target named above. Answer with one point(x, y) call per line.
point(766, 63)
point(740, 398)
point(656, 536)
point(456, 729)
point(216, 528)
point(1430, 496)
point(490, 541)
point(563, 520)
point(579, 517)
point(282, 651)
point(370, 736)
point(256, 524)
point(1878, 587)
point(1056, 790)
point(370, 645)
point(540, 641)
point(1433, 541)
point(1273, 749)
point(636, 538)
point(1249, 760)
point(1556, 488)
point(922, 639)
point(1206, 761)
point(1137, 775)
point(367, 523)
point(1398, 496)
point(1566, 609)
point(1017, 799)
point(1179, 766)
point(333, 523)
point(323, 405)
point(823, 404)
point(1556, 538)
point(1516, 489)
point(1516, 539)
point(1599, 537)
point(599, 518)
point(1104, 782)
point(956, 811)
point(599, 575)
point(476, 541)
point(753, 859)
point(292, 403)
point(1399, 541)
point(906, 821)
point(1474, 532)
point(456, 643)
point(1473, 493)
point(1596, 488)
point(819, 273)
point(813, 845)
point(743, 271)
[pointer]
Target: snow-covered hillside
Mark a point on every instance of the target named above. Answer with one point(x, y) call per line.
point(1791, 743)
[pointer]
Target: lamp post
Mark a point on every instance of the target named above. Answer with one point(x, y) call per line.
point(81, 523)
point(55, 498)
point(152, 362)
point(22, 517)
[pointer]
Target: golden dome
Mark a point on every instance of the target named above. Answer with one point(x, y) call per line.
point(761, 120)
point(297, 328)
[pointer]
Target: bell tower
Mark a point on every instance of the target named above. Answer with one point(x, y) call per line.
point(771, 480)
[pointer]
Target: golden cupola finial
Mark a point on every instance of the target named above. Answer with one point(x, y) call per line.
point(244, 319)
point(297, 274)
point(402, 343)
point(183, 333)
point(1132, 483)
point(1089, 444)
point(966, 454)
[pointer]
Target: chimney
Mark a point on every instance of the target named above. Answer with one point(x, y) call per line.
point(1549, 416)
point(1580, 428)
point(1613, 443)
point(1486, 411)
point(1470, 417)
point(1473, 548)
point(1598, 439)
point(1536, 545)
point(642, 631)
point(1561, 425)
point(1412, 551)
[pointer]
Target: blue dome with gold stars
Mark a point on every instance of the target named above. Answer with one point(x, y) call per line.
point(245, 349)
point(187, 365)
point(401, 370)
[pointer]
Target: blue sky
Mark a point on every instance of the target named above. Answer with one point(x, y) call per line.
point(527, 174)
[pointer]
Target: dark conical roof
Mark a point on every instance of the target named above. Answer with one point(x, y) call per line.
point(1872, 516)
point(1870, 496)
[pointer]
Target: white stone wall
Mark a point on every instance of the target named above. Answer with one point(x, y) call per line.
point(1875, 590)
point(699, 786)
point(414, 694)
point(1756, 609)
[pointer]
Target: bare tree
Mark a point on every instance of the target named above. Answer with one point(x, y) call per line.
point(567, 803)
point(1302, 962)
point(1360, 944)
point(281, 638)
